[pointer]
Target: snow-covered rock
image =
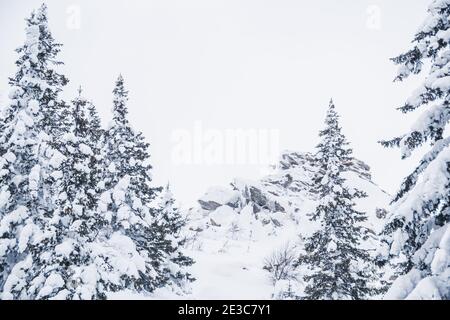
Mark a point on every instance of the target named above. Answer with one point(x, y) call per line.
point(218, 196)
point(235, 229)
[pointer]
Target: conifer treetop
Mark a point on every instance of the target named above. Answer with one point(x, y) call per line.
point(120, 109)
point(333, 145)
point(38, 54)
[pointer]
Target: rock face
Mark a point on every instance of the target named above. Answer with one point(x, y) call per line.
point(236, 228)
point(288, 190)
point(307, 161)
point(217, 197)
point(255, 196)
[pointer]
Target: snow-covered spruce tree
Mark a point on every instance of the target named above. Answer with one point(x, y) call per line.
point(169, 224)
point(67, 270)
point(34, 115)
point(75, 182)
point(417, 235)
point(126, 204)
point(88, 127)
point(340, 269)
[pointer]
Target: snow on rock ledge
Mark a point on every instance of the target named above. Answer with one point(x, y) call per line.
point(216, 197)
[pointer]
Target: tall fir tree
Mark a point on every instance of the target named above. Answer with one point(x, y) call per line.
point(75, 217)
point(31, 121)
point(127, 160)
point(66, 270)
point(169, 224)
point(127, 204)
point(83, 164)
point(417, 234)
point(340, 269)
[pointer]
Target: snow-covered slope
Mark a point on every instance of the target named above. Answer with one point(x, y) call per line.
point(236, 228)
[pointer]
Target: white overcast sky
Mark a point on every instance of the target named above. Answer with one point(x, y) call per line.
point(251, 64)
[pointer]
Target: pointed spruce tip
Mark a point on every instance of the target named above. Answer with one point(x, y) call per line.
point(39, 12)
point(42, 10)
point(43, 7)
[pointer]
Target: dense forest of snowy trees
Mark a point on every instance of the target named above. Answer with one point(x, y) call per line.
point(80, 217)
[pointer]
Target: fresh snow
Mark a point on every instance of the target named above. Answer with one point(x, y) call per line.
point(230, 244)
point(80, 216)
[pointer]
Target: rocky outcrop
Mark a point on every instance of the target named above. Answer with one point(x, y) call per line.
point(217, 197)
point(308, 161)
point(285, 191)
